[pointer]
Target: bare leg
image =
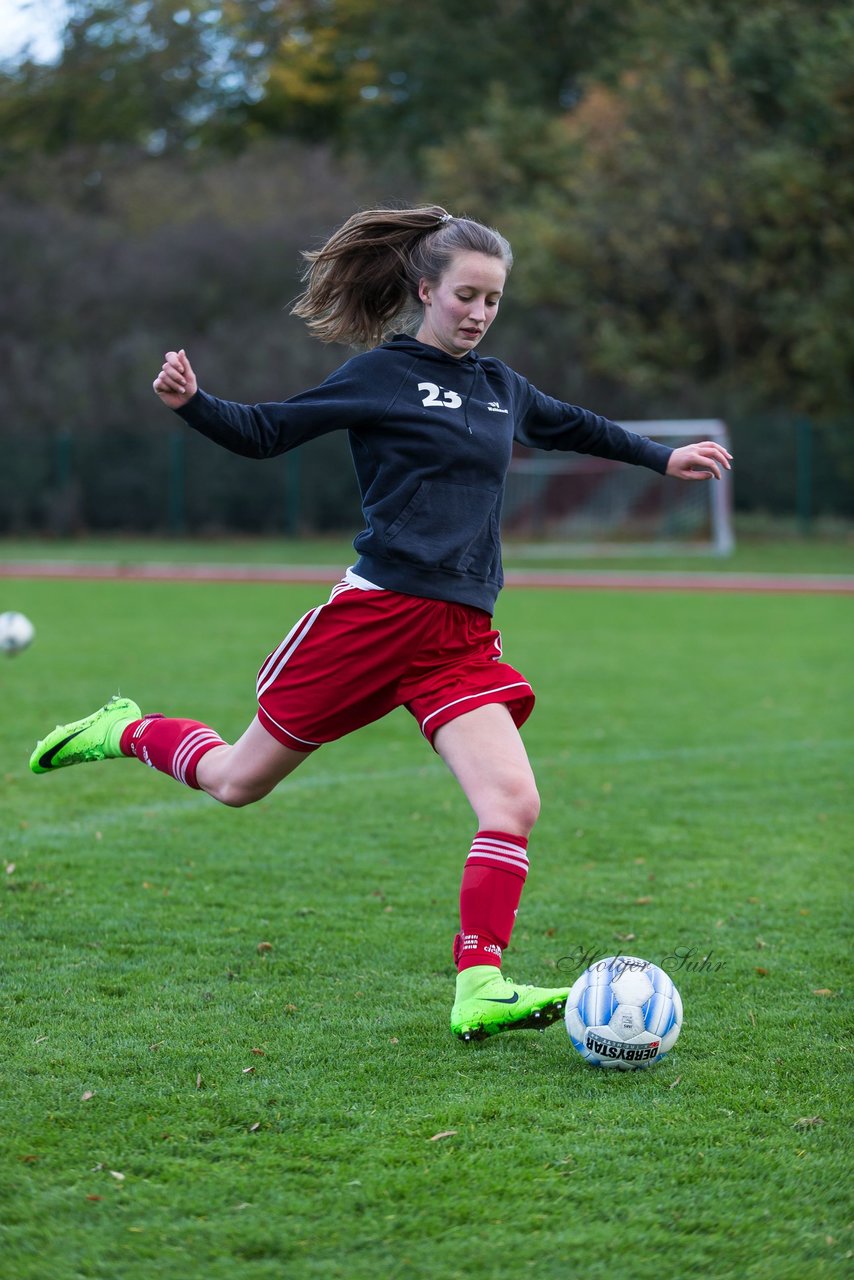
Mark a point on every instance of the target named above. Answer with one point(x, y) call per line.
point(485, 753)
point(245, 772)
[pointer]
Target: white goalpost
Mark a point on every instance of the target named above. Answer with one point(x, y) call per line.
point(574, 504)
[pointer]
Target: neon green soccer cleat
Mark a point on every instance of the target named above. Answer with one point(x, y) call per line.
point(487, 1003)
point(94, 738)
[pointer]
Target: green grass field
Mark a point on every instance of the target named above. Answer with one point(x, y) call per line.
point(225, 1042)
point(778, 550)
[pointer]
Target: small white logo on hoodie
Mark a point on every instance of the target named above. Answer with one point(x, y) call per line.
point(495, 407)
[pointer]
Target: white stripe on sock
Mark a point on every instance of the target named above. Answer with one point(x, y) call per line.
point(499, 859)
point(498, 846)
point(502, 853)
point(188, 746)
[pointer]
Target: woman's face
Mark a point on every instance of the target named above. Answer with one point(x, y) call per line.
point(459, 309)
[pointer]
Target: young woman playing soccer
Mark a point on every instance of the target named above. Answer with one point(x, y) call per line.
point(431, 427)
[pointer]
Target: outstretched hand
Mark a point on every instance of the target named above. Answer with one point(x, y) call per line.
point(701, 461)
point(176, 383)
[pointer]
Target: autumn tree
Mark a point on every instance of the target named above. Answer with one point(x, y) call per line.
point(694, 219)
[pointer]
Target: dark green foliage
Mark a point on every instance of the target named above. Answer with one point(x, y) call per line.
point(676, 180)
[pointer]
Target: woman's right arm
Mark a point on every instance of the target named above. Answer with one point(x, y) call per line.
point(346, 399)
point(176, 383)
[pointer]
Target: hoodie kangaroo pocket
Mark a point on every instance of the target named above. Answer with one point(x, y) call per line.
point(447, 526)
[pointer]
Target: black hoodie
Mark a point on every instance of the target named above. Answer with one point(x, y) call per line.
point(431, 437)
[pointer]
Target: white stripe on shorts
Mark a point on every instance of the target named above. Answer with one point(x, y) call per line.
point(277, 659)
point(273, 664)
point(306, 741)
point(483, 693)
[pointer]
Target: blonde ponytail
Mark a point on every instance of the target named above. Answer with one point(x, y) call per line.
point(367, 273)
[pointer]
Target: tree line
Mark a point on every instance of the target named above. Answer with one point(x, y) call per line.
point(676, 181)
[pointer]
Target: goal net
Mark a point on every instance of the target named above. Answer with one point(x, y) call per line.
point(571, 503)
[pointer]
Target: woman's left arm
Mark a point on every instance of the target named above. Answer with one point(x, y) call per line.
point(545, 423)
point(702, 461)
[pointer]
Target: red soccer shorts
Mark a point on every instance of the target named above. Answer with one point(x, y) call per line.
point(354, 659)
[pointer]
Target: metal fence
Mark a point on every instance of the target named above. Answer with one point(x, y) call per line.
point(103, 480)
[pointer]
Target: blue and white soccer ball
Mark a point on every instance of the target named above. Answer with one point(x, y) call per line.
point(16, 632)
point(623, 1013)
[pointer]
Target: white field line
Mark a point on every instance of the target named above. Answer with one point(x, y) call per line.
point(183, 803)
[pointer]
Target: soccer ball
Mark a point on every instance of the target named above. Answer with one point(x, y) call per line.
point(16, 632)
point(623, 1013)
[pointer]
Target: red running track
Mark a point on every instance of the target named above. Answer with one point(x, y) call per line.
point(563, 579)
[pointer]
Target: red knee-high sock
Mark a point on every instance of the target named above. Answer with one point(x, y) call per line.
point(493, 878)
point(172, 746)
